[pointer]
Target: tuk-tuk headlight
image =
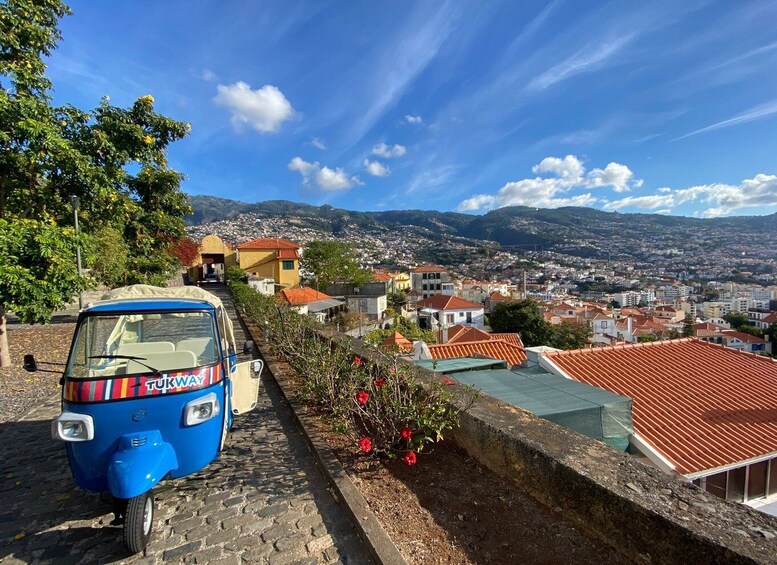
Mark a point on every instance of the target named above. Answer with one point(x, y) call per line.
point(71, 426)
point(201, 410)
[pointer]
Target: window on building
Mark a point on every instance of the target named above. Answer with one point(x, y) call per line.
point(716, 484)
point(772, 489)
point(469, 317)
point(438, 286)
point(736, 484)
point(425, 287)
point(288, 265)
point(756, 480)
point(424, 276)
point(449, 318)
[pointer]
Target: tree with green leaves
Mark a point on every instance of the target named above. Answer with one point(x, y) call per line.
point(736, 320)
point(113, 159)
point(524, 317)
point(688, 329)
point(328, 262)
point(570, 335)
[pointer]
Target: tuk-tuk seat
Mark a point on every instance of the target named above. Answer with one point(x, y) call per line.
point(167, 361)
point(141, 348)
point(202, 347)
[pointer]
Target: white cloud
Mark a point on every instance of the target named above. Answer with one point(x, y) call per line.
point(414, 119)
point(724, 199)
point(618, 176)
point(591, 57)
point(757, 113)
point(376, 168)
point(264, 109)
point(569, 169)
point(389, 151)
point(318, 143)
point(208, 75)
point(329, 180)
point(567, 173)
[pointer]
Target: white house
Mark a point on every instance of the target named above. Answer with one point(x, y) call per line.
point(450, 310)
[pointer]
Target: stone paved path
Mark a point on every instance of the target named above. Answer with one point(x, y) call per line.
point(264, 501)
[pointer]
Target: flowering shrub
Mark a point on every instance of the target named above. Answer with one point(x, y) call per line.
point(379, 402)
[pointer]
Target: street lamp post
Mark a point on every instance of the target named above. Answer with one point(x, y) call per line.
point(74, 204)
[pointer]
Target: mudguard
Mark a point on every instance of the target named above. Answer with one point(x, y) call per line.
point(140, 462)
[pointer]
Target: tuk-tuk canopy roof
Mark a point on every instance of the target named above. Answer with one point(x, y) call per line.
point(144, 292)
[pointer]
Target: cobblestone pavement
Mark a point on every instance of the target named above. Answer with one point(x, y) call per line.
point(263, 501)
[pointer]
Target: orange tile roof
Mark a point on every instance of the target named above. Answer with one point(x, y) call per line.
point(300, 296)
point(287, 254)
point(447, 302)
point(742, 336)
point(699, 405)
point(381, 277)
point(497, 296)
point(494, 348)
point(464, 333)
point(267, 243)
point(771, 318)
point(397, 340)
point(515, 339)
point(430, 269)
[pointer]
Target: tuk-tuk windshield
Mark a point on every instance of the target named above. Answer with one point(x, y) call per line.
point(108, 345)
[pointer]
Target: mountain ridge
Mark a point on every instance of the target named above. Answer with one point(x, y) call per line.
point(512, 225)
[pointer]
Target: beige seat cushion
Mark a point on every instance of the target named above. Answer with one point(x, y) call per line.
point(170, 361)
point(140, 349)
point(202, 347)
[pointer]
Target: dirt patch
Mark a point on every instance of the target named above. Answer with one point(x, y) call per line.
point(450, 509)
point(20, 390)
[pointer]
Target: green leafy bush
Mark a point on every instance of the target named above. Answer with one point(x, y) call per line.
point(380, 403)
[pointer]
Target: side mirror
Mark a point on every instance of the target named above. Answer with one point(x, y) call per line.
point(248, 346)
point(30, 364)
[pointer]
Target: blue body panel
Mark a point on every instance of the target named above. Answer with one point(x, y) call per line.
point(170, 448)
point(141, 461)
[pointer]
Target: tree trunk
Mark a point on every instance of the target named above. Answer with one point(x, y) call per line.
point(5, 354)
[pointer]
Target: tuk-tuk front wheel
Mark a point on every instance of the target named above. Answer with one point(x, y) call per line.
point(138, 522)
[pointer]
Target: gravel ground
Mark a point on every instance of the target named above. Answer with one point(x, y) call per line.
point(20, 390)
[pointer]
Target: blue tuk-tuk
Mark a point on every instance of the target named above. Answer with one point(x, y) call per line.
point(148, 393)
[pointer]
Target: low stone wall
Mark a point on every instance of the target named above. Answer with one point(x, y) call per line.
point(648, 515)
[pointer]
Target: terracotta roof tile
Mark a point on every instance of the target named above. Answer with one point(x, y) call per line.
point(300, 296)
point(700, 405)
point(267, 243)
point(742, 336)
point(397, 340)
point(430, 269)
point(381, 277)
point(497, 296)
point(287, 254)
point(515, 339)
point(467, 334)
point(495, 349)
point(447, 302)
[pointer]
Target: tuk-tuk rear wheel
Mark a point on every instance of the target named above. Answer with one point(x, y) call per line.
point(138, 522)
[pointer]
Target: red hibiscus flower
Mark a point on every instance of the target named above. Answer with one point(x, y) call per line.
point(365, 445)
point(380, 382)
point(357, 361)
point(362, 397)
point(409, 458)
point(448, 381)
point(407, 433)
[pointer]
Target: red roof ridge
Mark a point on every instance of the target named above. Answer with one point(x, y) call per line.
point(621, 346)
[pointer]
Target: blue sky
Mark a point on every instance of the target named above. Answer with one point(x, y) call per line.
point(666, 107)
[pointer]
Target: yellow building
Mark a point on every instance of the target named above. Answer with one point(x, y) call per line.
point(276, 259)
point(215, 256)
point(401, 281)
